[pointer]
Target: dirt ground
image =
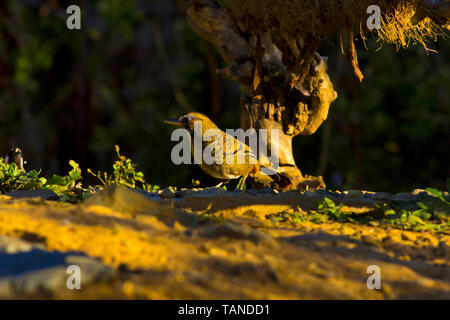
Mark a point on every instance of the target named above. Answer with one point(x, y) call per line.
point(180, 249)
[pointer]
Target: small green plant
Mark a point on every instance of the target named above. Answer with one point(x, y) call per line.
point(329, 208)
point(432, 213)
point(326, 210)
point(124, 174)
point(436, 207)
point(69, 187)
point(69, 181)
point(12, 178)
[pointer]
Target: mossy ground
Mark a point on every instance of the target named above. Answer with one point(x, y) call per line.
point(165, 252)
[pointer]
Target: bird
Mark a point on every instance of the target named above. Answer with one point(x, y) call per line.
point(14, 155)
point(232, 149)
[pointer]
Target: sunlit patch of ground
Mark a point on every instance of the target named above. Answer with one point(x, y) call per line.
point(162, 252)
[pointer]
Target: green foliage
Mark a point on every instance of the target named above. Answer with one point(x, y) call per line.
point(327, 210)
point(69, 187)
point(328, 207)
point(416, 220)
point(12, 178)
point(432, 214)
point(124, 174)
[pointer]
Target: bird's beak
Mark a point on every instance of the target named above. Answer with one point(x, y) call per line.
point(174, 122)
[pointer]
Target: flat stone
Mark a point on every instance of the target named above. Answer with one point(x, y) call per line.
point(171, 216)
point(252, 192)
point(237, 231)
point(420, 191)
point(417, 193)
point(310, 194)
point(352, 193)
point(402, 196)
point(381, 196)
point(322, 193)
point(409, 236)
point(214, 190)
point(42, 194)
point(167, 193)
point(266, 190)
point(123, 199)
point(184, 193)
point(37, 270)
point(13, 245)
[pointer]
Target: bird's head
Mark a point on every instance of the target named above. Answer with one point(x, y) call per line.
point(15, 156)
point(14, 152)
point(188, 120)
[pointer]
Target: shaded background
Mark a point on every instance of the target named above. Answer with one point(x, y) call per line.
point(73, 94)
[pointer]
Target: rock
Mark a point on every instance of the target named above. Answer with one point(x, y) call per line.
point(170, 216)
point(39, 271)
point(42, 194)
point(12, 245)
point(237, 231)
point(409, 236)
point(184, 193)
point(167, 193)
point(402, 196)
point(123, 199)
point(322, 193)
point(213, 191)
point(309, 194)
point(380, 196)
point(266, 190)
point(252, 192)
point(417, 193)
point(352, 193)
point(92, 269)
point(328, 194)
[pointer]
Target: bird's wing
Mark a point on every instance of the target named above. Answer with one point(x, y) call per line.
point(236, 149)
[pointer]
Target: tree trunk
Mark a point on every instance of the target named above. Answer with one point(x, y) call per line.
point(288, 90)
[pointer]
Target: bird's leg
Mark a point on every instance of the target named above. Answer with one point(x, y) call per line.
point(242, 183)
point(224, 182)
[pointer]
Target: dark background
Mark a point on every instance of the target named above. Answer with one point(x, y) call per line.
point(74, 94)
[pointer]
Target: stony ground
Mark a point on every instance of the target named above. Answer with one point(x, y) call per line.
point(212, 244)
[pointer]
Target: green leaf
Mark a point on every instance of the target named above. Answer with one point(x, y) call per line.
point(329, 202)
point(415, 220)
point(434, 192)
point(56, 180)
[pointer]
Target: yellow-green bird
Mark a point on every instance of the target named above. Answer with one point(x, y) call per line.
point(231, 148)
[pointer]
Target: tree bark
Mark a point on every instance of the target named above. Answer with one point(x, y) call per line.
point(287, 87)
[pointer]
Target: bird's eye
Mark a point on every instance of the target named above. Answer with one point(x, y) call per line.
point(186, 118)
